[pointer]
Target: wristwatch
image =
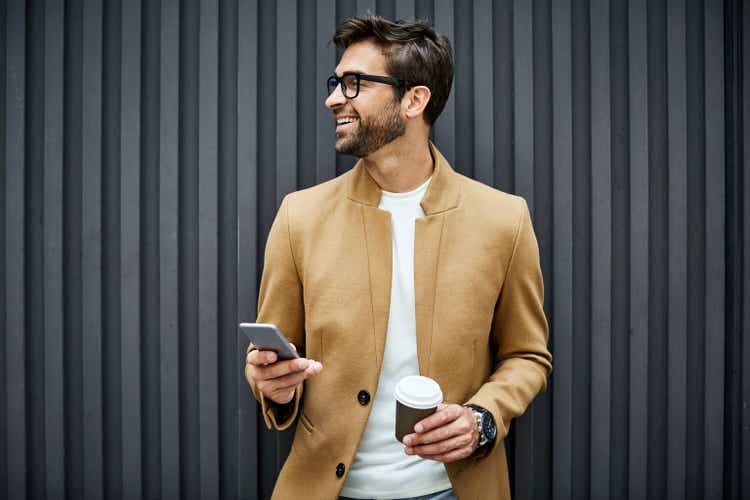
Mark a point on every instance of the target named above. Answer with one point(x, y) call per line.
point(485, 424)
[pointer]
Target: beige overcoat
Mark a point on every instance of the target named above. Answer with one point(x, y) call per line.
point(481, 330)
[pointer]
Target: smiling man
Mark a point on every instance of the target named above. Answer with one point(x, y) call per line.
point(399, 267)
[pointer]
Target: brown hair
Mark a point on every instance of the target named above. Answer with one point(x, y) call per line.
point(413, 50)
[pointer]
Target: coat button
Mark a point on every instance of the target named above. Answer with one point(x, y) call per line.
point(363, 397)
point(340, 470)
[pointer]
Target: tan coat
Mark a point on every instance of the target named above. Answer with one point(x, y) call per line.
point(481, 330)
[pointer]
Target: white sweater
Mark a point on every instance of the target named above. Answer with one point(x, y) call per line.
point(381, 469)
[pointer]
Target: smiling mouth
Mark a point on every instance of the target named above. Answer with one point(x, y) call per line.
point(343, 122)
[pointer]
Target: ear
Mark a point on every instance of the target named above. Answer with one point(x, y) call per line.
point(415, 101)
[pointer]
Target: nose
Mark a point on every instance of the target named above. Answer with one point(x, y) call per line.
point(336, 98)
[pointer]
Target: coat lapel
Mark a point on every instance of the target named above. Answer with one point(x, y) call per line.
point(442, 195)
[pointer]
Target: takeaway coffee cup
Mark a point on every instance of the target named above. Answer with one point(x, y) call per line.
point(417, 397)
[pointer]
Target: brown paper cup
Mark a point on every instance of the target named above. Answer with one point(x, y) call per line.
point(417, 398)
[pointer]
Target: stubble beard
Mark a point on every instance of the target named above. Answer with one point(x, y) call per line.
point(372, 135)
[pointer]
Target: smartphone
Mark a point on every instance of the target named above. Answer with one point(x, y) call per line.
point(266, 337)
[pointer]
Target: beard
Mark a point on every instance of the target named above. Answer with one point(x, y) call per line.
point(374, 133)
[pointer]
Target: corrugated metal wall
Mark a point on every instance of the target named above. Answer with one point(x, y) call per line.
point(145, 147)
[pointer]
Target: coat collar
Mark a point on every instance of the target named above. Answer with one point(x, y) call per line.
point(442, 194)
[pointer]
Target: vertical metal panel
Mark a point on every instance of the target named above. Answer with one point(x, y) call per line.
point(325, 132)
point(208, 248)
point(286, 103)
point(227, 259)
point(715, 249)
point(601, 236)
point(744, 417)
point(523, 85)
point(15, 250)
point(3, 251)
point(561, 338)
point(169, 182)
point(484, 155)
point(247, 235)
point(91, 257)
point(677, 309)
point(445, 127)
point(131, 212)
point(639, 278)
point(130, 249)
point(53, 249)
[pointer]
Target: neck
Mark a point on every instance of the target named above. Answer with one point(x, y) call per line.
point(401, 166)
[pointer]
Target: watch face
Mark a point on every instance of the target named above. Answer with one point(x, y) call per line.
point(488, 427)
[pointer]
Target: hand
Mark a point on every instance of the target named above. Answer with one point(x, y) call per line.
point(277, 380)
point(448, 435)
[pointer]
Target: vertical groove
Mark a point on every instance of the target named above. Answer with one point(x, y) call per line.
point(523, 89)
point(365, 7)
point(639, 231)
point(582, 250)
point(130, 249)
point(601, 236)
point(247, 234)
point(3, 250)
point(72, 250)
point(35, 252)
point(325, 132)
point(53, 321)
point(169, 183)
point(677, 310)
point(149, 248)
point(445, 126)
point(15, 252)
point(111, 280)
point(715, 247)
point(658, 249)
point(744, 243)
point(91, 257)
point(227, 258)
point(483, 122)
point(188, 305)
point(561, 334)
point(620, 273)
point(462, 88)
point(503, 100)
point(208, 249)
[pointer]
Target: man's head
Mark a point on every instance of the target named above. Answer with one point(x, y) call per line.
point(417, 64)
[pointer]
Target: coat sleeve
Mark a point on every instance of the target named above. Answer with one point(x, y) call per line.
point(519, 333)
point(280, 302)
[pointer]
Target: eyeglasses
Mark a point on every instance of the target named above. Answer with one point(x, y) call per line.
point(350, 83)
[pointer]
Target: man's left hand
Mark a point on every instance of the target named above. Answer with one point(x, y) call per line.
point(448, 435)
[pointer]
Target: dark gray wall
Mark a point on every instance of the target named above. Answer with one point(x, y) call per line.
point(145, 148)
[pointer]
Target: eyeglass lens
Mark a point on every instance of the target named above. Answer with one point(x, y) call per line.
point(349, 85)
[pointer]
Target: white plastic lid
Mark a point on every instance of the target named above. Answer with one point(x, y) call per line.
point(418, 392)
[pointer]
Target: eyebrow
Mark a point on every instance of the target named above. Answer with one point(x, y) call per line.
point(350, 72)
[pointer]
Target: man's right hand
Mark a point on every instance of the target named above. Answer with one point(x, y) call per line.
point(277, 380)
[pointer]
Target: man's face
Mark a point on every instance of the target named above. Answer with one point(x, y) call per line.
point(376, 113)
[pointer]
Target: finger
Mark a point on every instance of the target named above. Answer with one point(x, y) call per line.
point(454, 428)
point(441, 417)
point(282, 383)
point(281, 368)
point(441, 447)
point(259, 358)
point(451, 456)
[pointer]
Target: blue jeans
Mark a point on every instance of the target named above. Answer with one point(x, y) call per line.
point(440, 495)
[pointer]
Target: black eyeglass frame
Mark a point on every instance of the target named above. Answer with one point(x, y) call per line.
point(334, 81)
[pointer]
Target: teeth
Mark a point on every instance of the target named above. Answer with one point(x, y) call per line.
point(341, 121)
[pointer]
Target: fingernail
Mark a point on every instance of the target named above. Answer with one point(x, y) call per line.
point(407, 440)
point(418, 427)
point(302, 364)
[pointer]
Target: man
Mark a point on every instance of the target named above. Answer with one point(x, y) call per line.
point(400, 266)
